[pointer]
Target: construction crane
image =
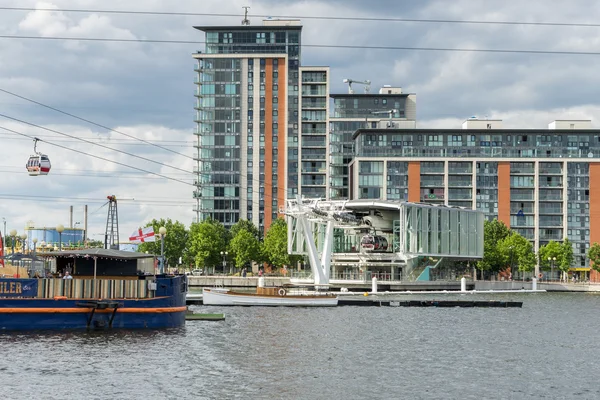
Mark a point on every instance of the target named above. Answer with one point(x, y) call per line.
point(111, 235)
point(351, 81)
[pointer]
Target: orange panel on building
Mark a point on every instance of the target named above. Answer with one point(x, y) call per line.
point(414, 181)
point(268, 168)
point(594, 212)
point(504, 192)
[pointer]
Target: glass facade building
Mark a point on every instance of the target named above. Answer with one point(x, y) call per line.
point(251, 108)
point(357, 111)
point(538, 182)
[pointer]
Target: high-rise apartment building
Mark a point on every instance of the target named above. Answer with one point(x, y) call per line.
point(390, 108)
point(313, 140)
point(261, 122)
point(539, 182)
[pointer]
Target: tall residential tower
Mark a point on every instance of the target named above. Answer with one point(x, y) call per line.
point(251, 108)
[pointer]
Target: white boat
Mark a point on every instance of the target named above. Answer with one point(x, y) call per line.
point(266, 297)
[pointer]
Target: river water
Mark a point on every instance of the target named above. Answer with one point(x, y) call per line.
point(548, 349)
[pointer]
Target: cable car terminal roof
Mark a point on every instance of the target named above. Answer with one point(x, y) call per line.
point(365, 205)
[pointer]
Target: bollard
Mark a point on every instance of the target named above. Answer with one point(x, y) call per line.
point(533, 283)
point(463, 284)
point(261, 282)
point(374, 285)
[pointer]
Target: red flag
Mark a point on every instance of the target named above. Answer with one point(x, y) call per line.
point(142, 235)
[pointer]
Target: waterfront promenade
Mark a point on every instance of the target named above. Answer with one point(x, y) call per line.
point(197, 282)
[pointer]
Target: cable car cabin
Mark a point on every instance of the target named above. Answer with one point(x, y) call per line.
point(38, 164)
point(374, 243)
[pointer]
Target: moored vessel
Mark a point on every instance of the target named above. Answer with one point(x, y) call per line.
point(272, 296)
point(106, 289)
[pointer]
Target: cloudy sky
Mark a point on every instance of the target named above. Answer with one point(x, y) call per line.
point(145, 90)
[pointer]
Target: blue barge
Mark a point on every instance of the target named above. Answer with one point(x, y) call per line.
point(109, 289)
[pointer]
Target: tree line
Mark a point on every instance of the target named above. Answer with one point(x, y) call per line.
point(203, 243)
point(505, 249)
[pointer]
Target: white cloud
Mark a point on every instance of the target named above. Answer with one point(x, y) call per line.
point(46, 23)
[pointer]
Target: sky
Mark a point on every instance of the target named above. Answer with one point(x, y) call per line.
point(145, 90)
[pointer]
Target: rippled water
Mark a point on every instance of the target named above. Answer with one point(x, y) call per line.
point(547, 349)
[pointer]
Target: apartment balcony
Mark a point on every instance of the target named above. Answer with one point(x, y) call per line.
point(460, 171)
point(555, 237)
point(433, 184)
point(460, 197)
point(460, 184)
point(556, 185)
point(314, 170)
point(551, 210)
point(522, 225)
point(432, 171)
point(550, 198)
point(551, 171)
point(313, 157)
point(523, 197)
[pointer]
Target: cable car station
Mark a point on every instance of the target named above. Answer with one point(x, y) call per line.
point(392, 241)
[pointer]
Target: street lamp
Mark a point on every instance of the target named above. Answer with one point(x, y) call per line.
point(552, 260)
point(4, 234)
point(13, 236)
point(34, 240)
point(23, 237)
point(224, 255)
point(161, 233)
point(513, 273)
point(60, 229)
point(43, 247)
point(23, 242)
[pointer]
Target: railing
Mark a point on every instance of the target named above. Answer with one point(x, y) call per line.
point(551, 171)
point(460, 170)
point(90, 288)
point(425, 170)
point(551, 210)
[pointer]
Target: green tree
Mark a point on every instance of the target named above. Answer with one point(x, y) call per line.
point(566, 258)
point(206, 241)
point(594, 256)
point(550, 253)
point(275, 244)
point(244, 224)
point(175, 240)
point(493, 233)
point(517, 251)
point(244, 248)
point(95, 244)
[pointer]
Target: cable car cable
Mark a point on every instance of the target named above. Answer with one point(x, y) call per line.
point(93, 123)
point(241, 187)
point(326, 46)
point(316, 17)
point(101, 158)
point(92, 143)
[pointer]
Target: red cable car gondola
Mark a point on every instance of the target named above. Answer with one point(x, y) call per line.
point(38, 163)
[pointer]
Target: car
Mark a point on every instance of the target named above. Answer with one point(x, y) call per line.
point(197, 272)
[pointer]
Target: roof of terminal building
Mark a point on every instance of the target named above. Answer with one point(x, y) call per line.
point(358, 205)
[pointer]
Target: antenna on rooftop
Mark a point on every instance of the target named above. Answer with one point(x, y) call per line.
point(246, 21)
